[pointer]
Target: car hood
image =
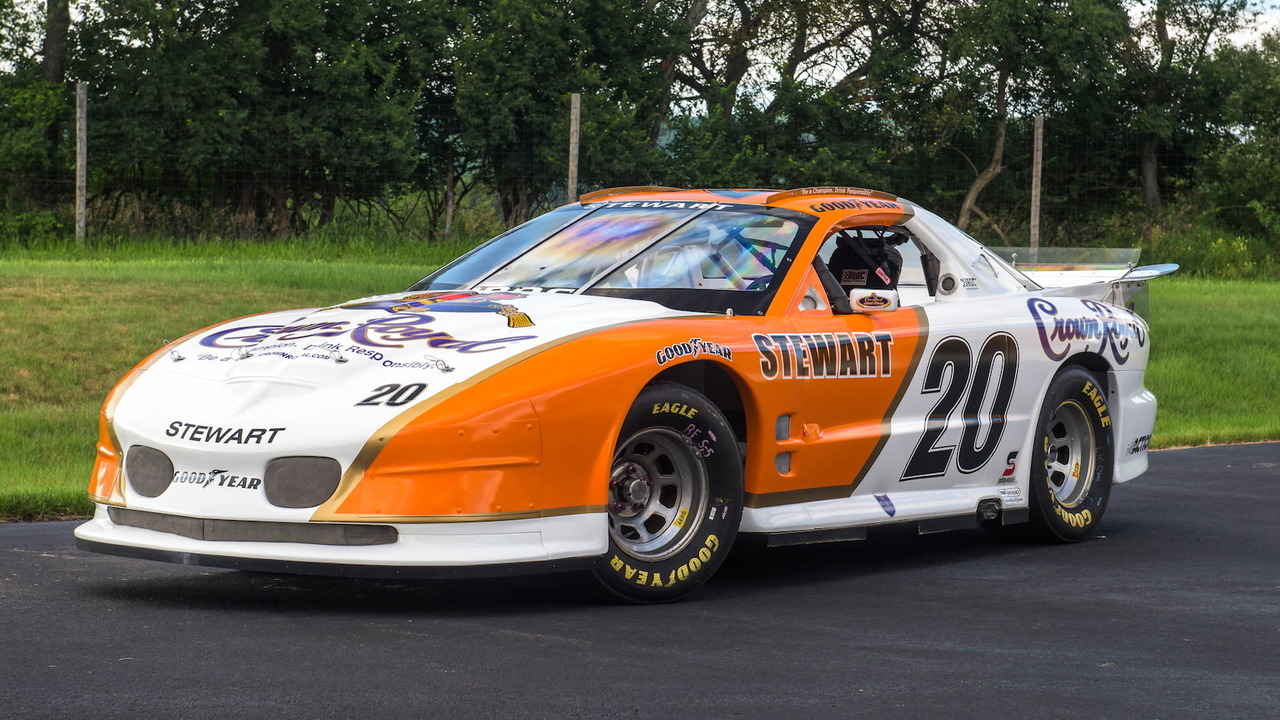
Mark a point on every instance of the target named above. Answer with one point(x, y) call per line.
point(324, 381)
point(445, 337)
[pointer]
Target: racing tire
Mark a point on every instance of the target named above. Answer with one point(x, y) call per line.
point(674, 496)
point(1072, 458)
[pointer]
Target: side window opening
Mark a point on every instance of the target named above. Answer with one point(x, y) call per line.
point(879, 257)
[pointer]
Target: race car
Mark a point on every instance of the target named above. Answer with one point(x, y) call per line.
point(629, 384)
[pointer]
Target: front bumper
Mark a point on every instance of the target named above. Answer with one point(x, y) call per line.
point(390, 550)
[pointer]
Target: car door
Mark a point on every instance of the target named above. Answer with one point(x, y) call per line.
point(919, 407)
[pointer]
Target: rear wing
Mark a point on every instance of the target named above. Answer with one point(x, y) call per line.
point(1108, 274)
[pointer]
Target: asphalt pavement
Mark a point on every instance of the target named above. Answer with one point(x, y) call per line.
point(1173, 611)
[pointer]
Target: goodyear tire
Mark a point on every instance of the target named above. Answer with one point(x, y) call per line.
point(1072, 459)
point(675, 496)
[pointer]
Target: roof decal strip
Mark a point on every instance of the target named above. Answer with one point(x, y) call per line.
point(602, 194)
point(828, 190)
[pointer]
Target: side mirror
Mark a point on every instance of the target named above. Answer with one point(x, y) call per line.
point(873, 301)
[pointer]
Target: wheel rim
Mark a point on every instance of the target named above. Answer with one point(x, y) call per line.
point(1069, 454)
point(657, 494)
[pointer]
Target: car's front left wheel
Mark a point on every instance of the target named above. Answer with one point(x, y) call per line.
point(675, 496)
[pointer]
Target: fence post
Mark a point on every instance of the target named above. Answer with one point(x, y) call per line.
point(575, 104)
point(82, 159)
point(1037, 159)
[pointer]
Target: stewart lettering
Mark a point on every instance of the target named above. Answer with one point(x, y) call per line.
point(221, 435)
point(768, 358)
point(666, 205)
point(825, 355)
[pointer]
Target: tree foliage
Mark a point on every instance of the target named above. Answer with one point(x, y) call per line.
point(1243, 173)
point(273, 110)
point(518, 61)
point(260, 117)
point(1164, 57)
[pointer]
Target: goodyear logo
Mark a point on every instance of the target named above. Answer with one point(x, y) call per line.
point(855, 205)
point(205, 479)
point(673, 577)
point(696, 347)
point(1074, 519)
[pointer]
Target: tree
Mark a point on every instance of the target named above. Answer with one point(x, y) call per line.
point(852, 49)
point(518, 61)
point(1242, 177)
point(1164, 53)
point(446, 170)
point(725, 40)
point(57, 23)
point(1029, 54)
point(32, 110)
point(271, 110)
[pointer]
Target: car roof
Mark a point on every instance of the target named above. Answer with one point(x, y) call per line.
point(841, 205)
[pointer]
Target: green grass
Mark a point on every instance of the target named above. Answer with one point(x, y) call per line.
point(1215, 361)
point(71, 327)
point(71, 324)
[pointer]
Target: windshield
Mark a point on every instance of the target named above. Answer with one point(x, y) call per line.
point(719, 250)
point(695, 256)
point(579, 253)
point(475, 265)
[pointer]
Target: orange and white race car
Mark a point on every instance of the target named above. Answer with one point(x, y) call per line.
point(627, 385)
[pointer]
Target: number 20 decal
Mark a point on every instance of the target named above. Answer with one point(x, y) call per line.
point(949, 373)
point(394, 395)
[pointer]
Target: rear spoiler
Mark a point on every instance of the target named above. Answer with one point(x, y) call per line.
point(1108, 274)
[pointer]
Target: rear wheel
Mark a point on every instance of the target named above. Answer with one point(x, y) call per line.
point(1072, 459)
point(675, 496)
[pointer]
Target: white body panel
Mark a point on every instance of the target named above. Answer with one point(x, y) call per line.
point(418, 544)
point(290, 395)
point(1046, 332)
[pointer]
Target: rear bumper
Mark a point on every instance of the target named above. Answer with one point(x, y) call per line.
point(1135, 421)
point(401, 550)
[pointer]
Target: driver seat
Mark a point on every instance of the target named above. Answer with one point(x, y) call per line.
point(862, 262)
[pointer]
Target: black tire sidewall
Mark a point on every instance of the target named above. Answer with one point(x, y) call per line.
point(1054, 521)
point(700, 422)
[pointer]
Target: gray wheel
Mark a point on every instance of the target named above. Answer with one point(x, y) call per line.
point(1070, 453)
point(656, 484)
point(674, 494)
point(1072, 461)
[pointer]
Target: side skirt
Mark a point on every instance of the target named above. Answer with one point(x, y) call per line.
point(967, 521)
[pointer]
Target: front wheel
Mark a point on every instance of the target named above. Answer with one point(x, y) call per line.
point(1072, 462)
point(675, 496)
